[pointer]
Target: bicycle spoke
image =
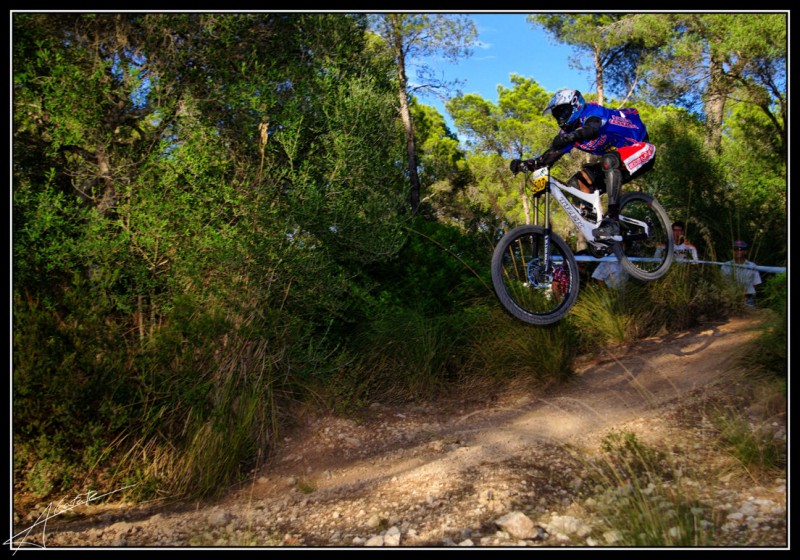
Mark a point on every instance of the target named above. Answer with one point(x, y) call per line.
point(646, 250)
point(531, 290)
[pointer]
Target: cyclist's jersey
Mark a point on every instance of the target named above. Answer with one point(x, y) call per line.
point(619, 128)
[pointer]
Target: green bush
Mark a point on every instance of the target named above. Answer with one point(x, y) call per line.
point(402, 354)
point(687, 295)
point(605, 316)
point(642, 499)
point(769, 352)
point(439, 269)
point(503, 348)
point(756, 446)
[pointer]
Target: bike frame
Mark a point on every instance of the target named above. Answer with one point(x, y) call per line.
point(558, 190)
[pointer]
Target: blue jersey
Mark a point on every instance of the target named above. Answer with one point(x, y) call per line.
point(618, 128)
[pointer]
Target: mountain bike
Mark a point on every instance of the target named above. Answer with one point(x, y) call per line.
point(534, 271)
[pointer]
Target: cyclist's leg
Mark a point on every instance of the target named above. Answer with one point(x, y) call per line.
point(613, 179)
point(636, 159)
point(585, 179)
point(639, 172)
point(609, 227)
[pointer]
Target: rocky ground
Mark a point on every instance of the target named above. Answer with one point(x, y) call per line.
point(512, 469)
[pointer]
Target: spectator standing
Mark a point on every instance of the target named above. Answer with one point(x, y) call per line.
point(611, 273)
point(682, 249)
point(743, 272)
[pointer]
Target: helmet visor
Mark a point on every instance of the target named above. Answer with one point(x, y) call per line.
point(562, 113)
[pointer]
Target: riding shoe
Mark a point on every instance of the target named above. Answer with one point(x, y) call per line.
point(607, 228)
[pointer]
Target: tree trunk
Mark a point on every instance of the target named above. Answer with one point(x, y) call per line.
point(715, 105)
point(598, 75)
point(526, 206)
point(408, 126)
point(109, 198)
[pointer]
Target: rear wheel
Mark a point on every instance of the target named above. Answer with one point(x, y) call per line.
point(532, 290)
point(645, 251)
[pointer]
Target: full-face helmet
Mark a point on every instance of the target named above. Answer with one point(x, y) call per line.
point(566, 106)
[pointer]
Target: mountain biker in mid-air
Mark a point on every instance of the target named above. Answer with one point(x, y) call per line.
point(618, 136)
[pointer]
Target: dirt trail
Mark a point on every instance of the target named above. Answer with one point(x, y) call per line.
point(624, 384)
point(442, 473)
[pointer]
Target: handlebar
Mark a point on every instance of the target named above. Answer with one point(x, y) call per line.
point(526, 165)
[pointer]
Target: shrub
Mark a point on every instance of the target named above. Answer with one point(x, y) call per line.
point(642, 499)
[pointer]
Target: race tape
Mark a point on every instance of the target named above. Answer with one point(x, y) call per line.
point(771, 269)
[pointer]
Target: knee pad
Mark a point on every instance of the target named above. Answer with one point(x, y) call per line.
point(613, 176)
point(610, 161)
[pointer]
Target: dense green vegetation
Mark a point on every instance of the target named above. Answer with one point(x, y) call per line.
point(214, 219)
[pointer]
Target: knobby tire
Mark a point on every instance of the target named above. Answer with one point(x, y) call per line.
point(533, 303)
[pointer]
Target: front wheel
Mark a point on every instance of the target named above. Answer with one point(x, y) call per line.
point(645, 251)
point(531, 288)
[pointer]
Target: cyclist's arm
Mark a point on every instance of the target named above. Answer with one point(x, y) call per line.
point(563, 143)
point(589, 131)
point(550, 157)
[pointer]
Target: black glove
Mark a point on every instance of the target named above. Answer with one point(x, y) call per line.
point(526, 165)
point(562, 140)
point(523, 165)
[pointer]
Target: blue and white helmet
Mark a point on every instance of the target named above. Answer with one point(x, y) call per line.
point(566, 106)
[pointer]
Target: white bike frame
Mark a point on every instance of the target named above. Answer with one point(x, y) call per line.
point(557, 189)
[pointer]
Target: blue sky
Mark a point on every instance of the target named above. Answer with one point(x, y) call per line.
point(508, 44)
